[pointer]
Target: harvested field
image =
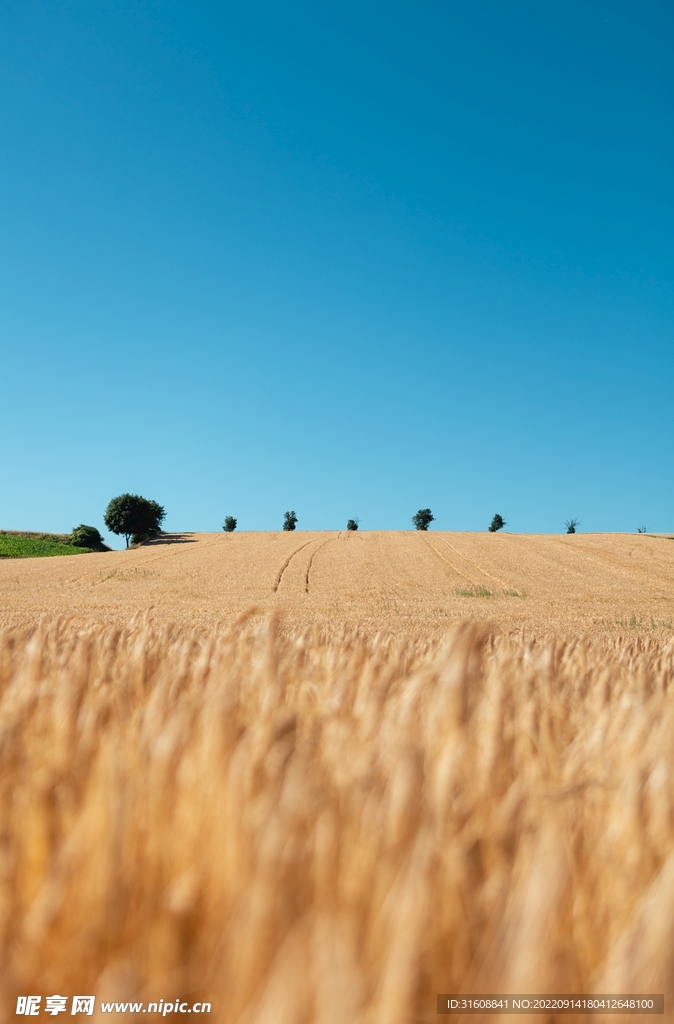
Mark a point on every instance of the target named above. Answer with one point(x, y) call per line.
point(417, 583)
point(278, 772)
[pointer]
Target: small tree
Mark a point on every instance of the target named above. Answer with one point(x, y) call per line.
point(571, 525)
point(131, 515)
point(423, 519)
point(642, 529)
point(352, 524)
point(289, 521)
point(229, 525)
point(86, 537)
point(497, 523)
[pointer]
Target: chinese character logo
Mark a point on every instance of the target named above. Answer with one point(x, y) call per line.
point(55, 1004)
point(83, 1004)
point(29, 1006)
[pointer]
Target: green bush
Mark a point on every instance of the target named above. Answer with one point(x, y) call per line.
point(86, 537)
point(497, 523)
point(571, 525)
point(131, 515)
point(289, 521)
point(423, 519)
point(352, 524)
point(229, 525)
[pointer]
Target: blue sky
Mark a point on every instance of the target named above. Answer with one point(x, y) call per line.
point(349, 259)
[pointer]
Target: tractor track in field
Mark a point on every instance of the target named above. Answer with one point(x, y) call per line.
point(456, 569)
point(279, 577)
point(151, 560)
point(602, 560)
point(311, 560)
point(495, 579)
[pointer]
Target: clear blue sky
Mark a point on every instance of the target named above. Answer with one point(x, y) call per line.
point(347, 259)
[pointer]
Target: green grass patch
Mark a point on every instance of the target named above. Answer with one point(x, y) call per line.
point(476, 592)
point(638, 623)
point(13, 546)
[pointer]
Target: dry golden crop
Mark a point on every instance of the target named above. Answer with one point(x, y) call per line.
point(419, 584)
point(322, 826)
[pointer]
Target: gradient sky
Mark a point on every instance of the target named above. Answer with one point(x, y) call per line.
point(349, 259)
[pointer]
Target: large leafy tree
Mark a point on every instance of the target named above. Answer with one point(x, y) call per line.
point(135, 517)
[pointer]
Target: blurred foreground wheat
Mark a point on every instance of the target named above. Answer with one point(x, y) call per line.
point(328, 829)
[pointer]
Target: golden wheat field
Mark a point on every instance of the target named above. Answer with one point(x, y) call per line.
point(416, 583)
point(320, 778)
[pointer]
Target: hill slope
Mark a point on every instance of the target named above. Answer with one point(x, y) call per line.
point(419, 583)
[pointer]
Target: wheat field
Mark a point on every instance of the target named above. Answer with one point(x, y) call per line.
point(267, 775)
point(419, 584)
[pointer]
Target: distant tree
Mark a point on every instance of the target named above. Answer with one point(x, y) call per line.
point(571, 525)
point(497, 523)
point(86, 537)
point(229, 525)
point(151, 515)
point(642, 529)
point(135, 517)
point(120, 515)
point(423, 519)
point(352, 524)
point(289, 521)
